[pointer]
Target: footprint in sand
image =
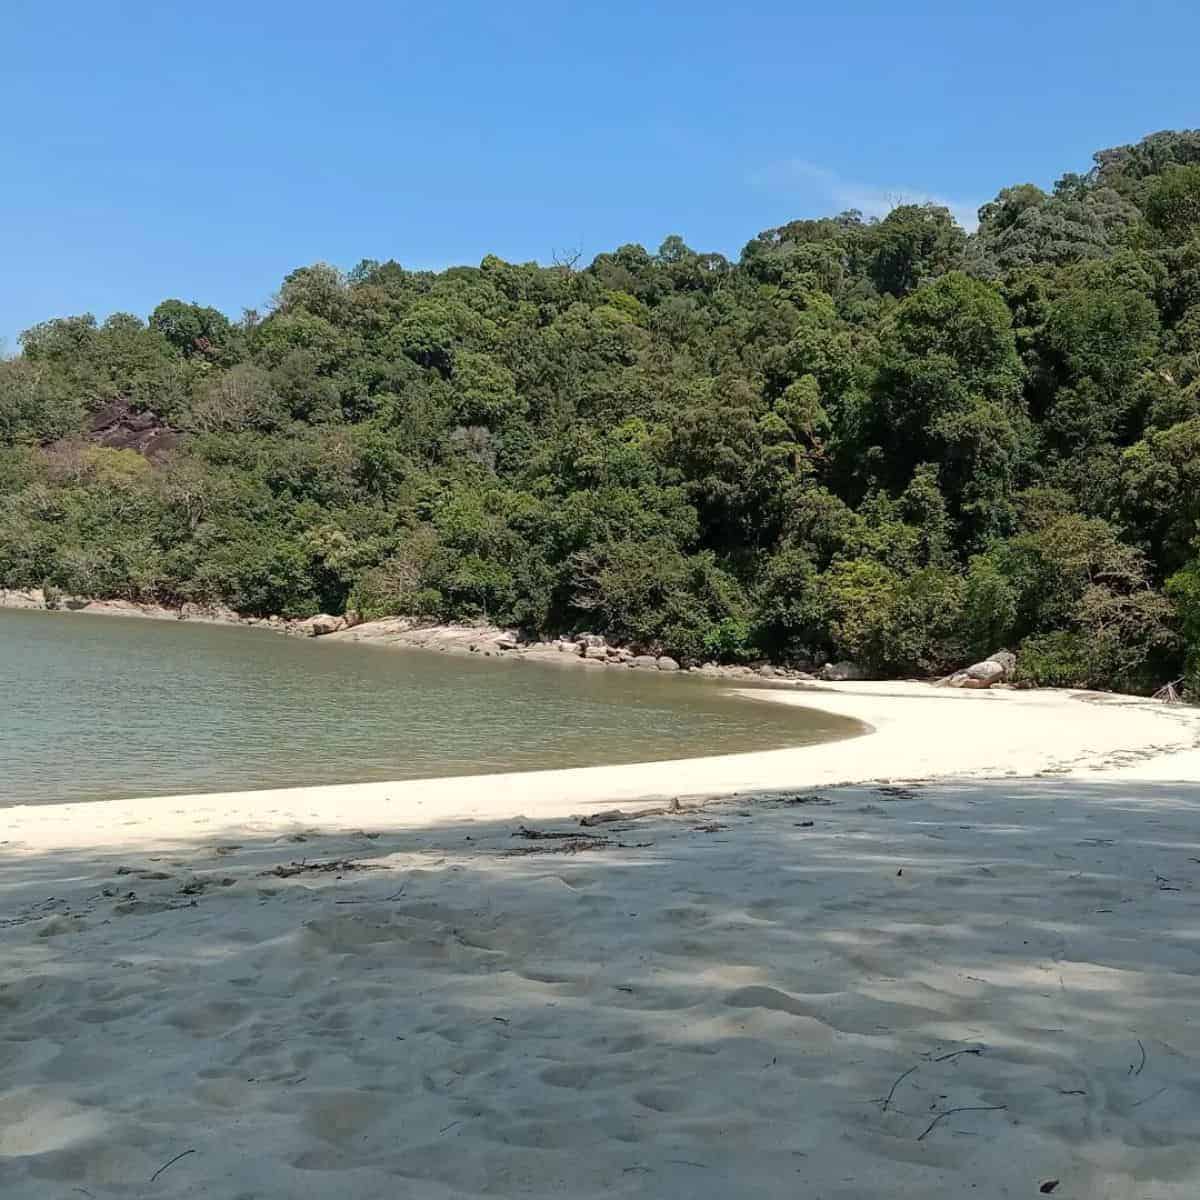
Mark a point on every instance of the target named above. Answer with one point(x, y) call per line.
point(57, 926)
point(208, 1020)
point(663, 1099)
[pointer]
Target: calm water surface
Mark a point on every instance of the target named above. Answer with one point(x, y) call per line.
point(98, 707)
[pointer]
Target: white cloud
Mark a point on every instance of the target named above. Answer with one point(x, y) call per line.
point(834, 194)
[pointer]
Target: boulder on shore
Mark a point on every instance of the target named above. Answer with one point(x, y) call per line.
point(842, 672)
point(212, 614)
point(322, 624)
point(666, 663)
point(643, 660)
point(996, 668)
point(1007, 659)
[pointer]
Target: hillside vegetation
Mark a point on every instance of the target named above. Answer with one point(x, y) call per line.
point(881, 439)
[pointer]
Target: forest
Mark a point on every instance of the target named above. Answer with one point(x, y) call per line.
point(884, 440)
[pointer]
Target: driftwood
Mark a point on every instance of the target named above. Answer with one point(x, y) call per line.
point(617, 814)
point(303, 868)
point(537, 835)
point(564, 846)
point(811, 798)
point(1169, 693)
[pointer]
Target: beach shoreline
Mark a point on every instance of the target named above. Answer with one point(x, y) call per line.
point(954, 955)
point(401, 633)
point(911, 731)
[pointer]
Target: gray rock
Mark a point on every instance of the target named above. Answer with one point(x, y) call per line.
point(665, 663)
point(217, 614)
point(842, 672)
point(643, 660)
point(767, 671)
point(507, 641)
point(983, 674)
point(599, 652)
point(986, 672)
point(589, 639)
point(1007, 659)
point(322, 624)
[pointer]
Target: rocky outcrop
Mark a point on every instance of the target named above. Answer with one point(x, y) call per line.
point(1007, 659)
point(117, 426)
point(119, 608)
point(212, 614)
point(320, 626)
point(996, 668)
point(842, 672)
point(22, 598)
point(584, 649)
point(207, 613)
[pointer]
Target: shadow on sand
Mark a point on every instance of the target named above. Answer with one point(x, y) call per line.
point(954, 989)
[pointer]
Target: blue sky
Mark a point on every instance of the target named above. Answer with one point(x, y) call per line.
point(202, 151)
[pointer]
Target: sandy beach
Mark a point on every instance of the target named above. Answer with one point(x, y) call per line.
point(956, 955)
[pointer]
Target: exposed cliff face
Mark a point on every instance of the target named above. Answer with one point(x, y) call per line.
point(118, 427)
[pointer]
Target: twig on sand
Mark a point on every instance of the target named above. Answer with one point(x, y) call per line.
point(1138, 1069)
point(941, 1058)
point(956, 1053)
point(171, 1162)
point(1147, 1099)
point(371, 899)
point(899, 1080)
point(951, 1111)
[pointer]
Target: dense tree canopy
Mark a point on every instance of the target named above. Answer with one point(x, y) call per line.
point(881, 439)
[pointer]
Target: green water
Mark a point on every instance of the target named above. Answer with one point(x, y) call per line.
point(98, 707)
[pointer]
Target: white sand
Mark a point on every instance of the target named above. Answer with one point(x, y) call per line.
point(726, 1004)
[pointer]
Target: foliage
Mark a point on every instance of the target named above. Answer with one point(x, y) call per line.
point(880, 439)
